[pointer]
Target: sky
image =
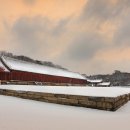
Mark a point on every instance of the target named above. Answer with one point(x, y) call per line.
point(85, 36)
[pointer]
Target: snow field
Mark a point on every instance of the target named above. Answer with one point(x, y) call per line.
point(23, 114)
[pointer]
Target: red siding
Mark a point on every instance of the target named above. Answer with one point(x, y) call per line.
point(2, 69)
point(28, 76)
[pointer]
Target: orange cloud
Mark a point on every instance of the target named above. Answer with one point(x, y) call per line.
point(53, 9)
point(107, 29)
point(114, 55)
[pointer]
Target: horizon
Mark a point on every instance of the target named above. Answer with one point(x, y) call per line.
point(85, 36)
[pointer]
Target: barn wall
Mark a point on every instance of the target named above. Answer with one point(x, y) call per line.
point(28, 76)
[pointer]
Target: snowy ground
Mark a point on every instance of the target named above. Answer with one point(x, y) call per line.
point(85, 91)
point(23, 114)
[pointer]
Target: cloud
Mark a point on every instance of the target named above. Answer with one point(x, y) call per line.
point(60, 28)
point(103, 10)
point(84, 47)
point(103, 26)
point(122, 35)
point(38, 34)
point(29, 2)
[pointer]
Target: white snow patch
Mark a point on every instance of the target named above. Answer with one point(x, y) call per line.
point(104, 84)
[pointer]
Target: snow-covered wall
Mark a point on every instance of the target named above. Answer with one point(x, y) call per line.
point(103, 103)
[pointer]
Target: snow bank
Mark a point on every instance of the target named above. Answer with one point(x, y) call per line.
point(104, 84)
point(84, 91)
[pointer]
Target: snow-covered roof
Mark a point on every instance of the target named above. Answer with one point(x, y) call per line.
point(15, 64)
point(94, 81)
point(104, 84)
point(3, 68)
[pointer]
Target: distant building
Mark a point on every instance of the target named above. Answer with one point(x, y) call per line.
point(93, 82)
point(98, 83)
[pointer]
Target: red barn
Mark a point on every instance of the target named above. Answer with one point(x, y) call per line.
point(13, 70)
